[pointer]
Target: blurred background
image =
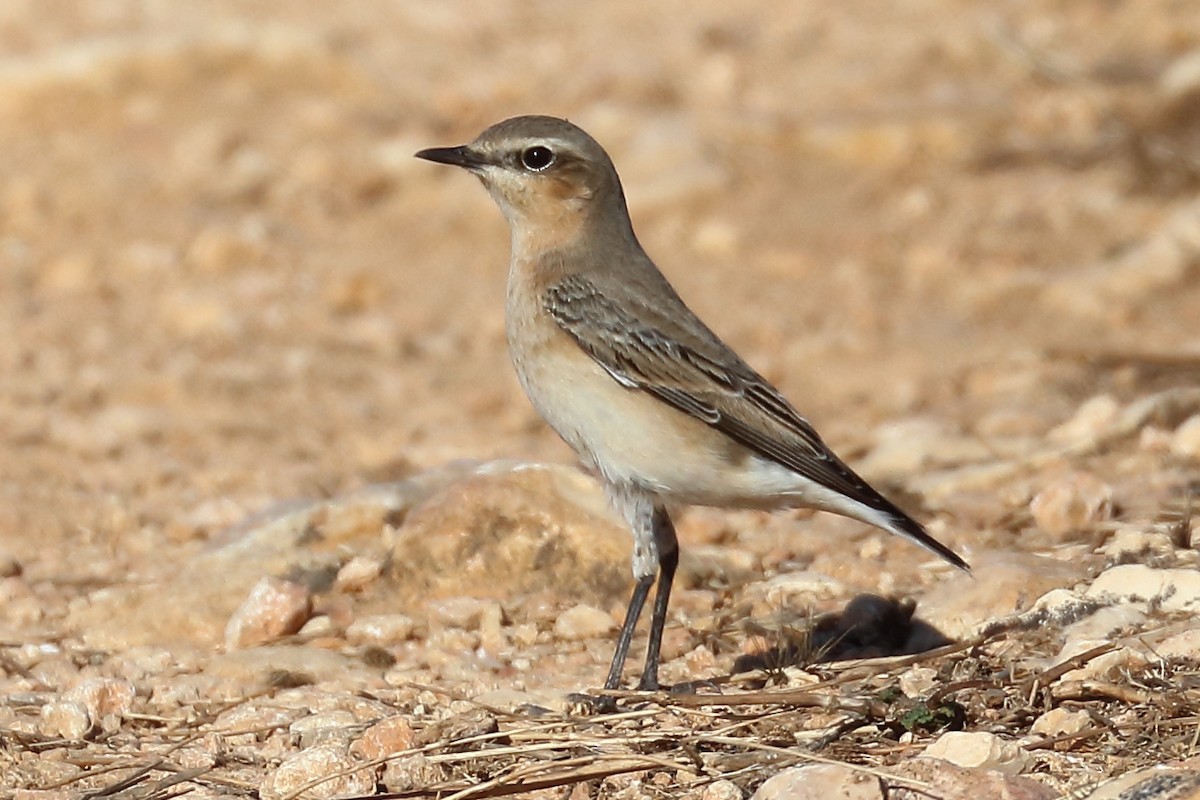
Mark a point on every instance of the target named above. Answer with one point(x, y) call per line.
point(225, 282)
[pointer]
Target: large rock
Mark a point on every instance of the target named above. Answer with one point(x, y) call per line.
point(507, 530)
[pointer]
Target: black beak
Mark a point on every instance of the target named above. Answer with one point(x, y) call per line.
point(462, 156)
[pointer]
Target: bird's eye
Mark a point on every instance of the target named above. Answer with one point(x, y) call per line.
point(537, 158)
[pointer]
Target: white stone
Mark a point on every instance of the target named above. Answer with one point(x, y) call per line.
point(1061, 722)
point(980, 750)
point(722, 790)
point(1071, 504)
point(380, 629)
point(1186, 439)
point(918, 681)
point(583, 622)
point(358, 573)
point(1171, 590)
point(820, 782)
point(1091, 419)
point(65, 719)
point(336, 725)
point(1185, 645)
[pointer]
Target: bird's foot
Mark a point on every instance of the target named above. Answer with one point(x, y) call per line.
point(589, 705)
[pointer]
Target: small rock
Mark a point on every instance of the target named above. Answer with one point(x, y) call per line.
point(1061, 722)
point(918, 681)
point(385, 738)
point(66, 719)
point(458, 612)
point(103, 697)
point(820, 782)
point(1182, 76)
point(1072, 504)
point(357, 574)
point(1151, 783)
point(1171, 590)
point(1186, 439)
point(327, 759)
point(783, 589)
point(411, 772)
point(950, 782)
point(1092, 419)
point(722, 790)
point(1185, 645)
point(1103, 667)
point(978, 750)
point(324, 726)
point(583, 622)
point(317, 627)
point(274, 608)
point(380, 629)
point(705, 564)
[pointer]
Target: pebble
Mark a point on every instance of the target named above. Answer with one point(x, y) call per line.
point(1072, 504)
point(357, 574)
point(326, 759)
point(380, 629)
point(65, 719)
point(1092, 419)
point(979, 750)
point(1186, 439)
point(384, 738)
point(274, 608)
point(1185, 645)
point(1061, 722)
point(103, 697)
point(583, 622)
point(918, 681)
point(722, 790)
point(820, 782)
point(407, 773)
point(336, 725)
point(459, 612)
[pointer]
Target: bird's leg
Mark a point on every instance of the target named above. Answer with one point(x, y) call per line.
point(668, 559)
point(639, 510)
point(640, 592)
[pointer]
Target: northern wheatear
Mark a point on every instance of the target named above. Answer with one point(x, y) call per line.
point(621, 368)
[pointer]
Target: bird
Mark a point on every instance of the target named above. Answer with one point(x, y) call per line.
point(650, 399)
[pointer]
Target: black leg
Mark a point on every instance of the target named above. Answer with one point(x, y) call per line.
point(668, 560)
point(640, 592)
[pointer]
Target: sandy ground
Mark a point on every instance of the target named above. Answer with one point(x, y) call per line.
point(944, 230)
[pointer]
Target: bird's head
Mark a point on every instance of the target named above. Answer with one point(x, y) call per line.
point(547, 175)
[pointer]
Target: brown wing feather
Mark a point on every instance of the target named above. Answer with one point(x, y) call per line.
point(701, 378)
